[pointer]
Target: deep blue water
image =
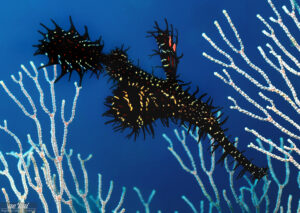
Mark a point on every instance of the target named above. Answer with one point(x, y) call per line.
point(146, 164)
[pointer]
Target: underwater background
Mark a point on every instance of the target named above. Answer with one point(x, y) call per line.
point(146, 164)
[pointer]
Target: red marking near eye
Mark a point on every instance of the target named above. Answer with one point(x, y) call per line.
point(174, 47)
point(170, 41)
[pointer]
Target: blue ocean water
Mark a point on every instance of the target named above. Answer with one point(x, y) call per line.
point(146, 164)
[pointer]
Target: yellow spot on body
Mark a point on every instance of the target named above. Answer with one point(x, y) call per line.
point(172, 97)
point(128, 102)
